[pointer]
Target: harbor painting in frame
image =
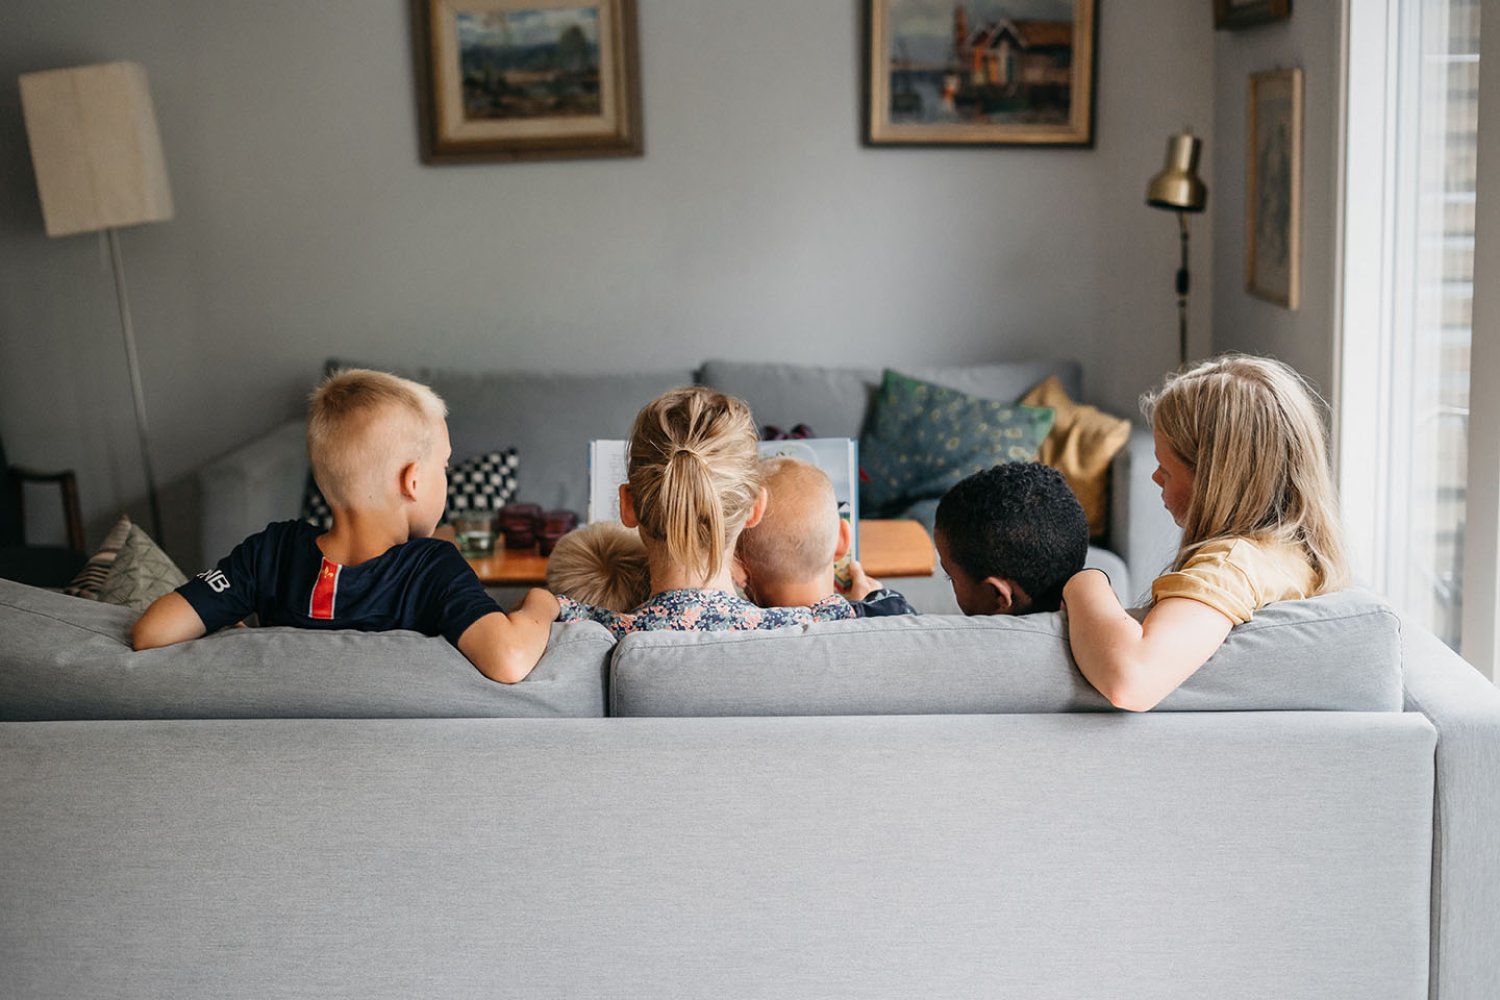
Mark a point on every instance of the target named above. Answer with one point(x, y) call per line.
point(527, 79)
point(980, 72)
point(1273, 187)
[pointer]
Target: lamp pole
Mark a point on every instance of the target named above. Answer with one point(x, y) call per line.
point(1182, 290)
point(1179, 188)
point(132, 362)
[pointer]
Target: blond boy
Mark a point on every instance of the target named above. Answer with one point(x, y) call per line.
point(379, 450)
point(602, 564)
point(787, 560)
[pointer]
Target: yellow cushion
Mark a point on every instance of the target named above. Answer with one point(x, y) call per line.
point(1083, 441)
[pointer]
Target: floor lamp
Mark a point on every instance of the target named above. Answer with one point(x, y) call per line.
point(99, 167)
point(1179, 188)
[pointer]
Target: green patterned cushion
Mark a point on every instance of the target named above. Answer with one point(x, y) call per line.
point(923, 438)
point(142, 572)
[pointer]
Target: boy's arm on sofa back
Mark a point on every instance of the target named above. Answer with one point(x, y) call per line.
point(1140, 530)
point(1464, 707)
point(248, 488)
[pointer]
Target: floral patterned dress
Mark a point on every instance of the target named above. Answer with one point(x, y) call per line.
point(702, 611)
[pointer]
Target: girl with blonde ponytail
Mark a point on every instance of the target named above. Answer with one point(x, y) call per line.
point(1242, 464)
point(693, 473)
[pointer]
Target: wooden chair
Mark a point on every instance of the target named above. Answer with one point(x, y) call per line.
point(38, 565)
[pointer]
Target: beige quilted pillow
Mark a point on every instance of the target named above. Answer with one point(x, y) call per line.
point(1082, 443)
point(141, 573)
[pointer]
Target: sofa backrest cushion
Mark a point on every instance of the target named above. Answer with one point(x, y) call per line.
point(548, 417)
point(835, 401)
point(1339, 652)
point(69, 658)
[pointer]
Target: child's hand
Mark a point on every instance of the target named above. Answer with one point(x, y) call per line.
point(861, 584)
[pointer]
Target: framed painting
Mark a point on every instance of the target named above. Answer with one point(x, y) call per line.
point(526, 79)
point(980, 72)
point(1273, 187)
point(1248, 13)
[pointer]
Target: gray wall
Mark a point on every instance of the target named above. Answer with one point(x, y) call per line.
point(1312, 40)
point(756, 225)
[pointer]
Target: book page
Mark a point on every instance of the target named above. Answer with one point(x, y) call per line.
point(606, 473)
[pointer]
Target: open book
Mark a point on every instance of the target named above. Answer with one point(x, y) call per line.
point(839, 457)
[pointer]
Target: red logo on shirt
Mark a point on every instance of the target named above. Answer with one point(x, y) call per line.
point(324, 591)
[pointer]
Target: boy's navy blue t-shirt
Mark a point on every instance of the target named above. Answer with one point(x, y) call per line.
point(281, 576)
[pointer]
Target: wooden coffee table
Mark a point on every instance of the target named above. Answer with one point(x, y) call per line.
point(886, 548)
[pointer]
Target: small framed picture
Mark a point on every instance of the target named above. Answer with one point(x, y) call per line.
point(526, 79)
point(1248, 13)
point(979, 73)
point(1273, 187)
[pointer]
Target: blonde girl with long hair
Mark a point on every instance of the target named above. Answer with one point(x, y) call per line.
point(1242, 463)
point(693, 484)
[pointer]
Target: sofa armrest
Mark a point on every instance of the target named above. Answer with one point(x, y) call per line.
point(252, 486)
point(1464, 708)
point(1140, 530)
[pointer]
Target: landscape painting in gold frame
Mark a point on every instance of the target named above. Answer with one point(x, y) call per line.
point(980, 72)
point(1273, 187)
point(526, 79)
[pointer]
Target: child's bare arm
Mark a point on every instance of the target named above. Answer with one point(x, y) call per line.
point(1137, 664)
point(504, 647)
point(169, 619)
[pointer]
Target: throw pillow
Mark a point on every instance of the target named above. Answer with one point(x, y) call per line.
point(142, 572)
point(923, 438)
point(485, 482)
point(315, 509)
point(86, 584)
point(1083, 441)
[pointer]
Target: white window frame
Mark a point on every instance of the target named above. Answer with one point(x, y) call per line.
point(1370, 273)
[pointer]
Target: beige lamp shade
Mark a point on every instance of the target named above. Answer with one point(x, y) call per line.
point(95, 148)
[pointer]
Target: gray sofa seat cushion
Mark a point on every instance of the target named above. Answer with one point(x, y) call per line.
point(69, 658)
point(835, 401)
point(1339, 652)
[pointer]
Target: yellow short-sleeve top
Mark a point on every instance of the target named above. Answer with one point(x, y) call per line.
point(1238, 576)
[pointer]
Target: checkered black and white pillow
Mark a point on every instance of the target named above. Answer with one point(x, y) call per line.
point(315, 509)
point(485, 482)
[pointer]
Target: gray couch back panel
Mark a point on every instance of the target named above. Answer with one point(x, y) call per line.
point(1339, 652)
point(1047, 857)
point(490, 410)
point(68, 658)
point(834, 402)
point(494, 410)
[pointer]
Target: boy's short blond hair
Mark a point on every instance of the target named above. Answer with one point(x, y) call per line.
point(602, 564)
point(363, 427)
point(799, 534)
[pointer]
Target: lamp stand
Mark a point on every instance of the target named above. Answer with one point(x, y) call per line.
point(1182, 291)
point(133, 364)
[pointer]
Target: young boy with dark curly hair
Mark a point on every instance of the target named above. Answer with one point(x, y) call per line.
point(1009, 538)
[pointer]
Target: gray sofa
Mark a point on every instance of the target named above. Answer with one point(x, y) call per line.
point(550, 418)
point(934, 807)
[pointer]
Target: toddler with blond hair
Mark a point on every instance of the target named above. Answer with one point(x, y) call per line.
point(602, 564)
point(788, 558)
